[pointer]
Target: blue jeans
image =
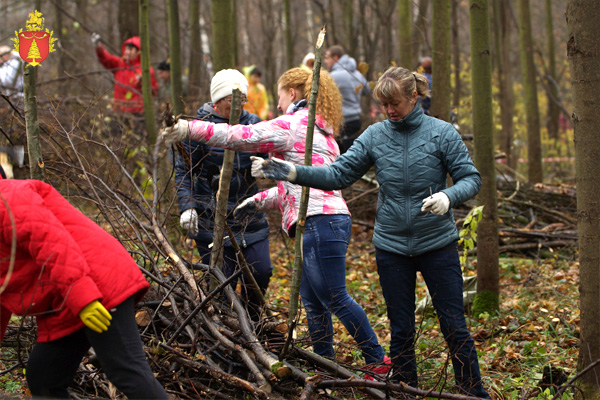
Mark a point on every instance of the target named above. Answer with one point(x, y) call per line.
point(257, 257)
point(442, 274)
point(323, 288)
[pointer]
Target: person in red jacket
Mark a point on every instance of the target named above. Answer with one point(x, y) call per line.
point(127, 70)
point(80, 284)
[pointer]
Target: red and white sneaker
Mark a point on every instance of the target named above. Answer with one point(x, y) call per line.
point(381, 368)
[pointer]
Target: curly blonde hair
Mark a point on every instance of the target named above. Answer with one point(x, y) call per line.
point(329, 100)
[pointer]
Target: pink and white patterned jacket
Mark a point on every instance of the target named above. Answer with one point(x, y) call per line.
point(283, 138)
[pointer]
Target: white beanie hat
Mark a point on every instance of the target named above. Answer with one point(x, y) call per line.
point(225, 81)
point(309, 56)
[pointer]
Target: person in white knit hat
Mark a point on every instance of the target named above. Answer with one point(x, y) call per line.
point(197, 185)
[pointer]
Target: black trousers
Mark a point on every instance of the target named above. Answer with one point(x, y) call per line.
point(52, 365)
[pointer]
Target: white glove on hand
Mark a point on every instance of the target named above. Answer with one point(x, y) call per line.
point(189, 221)
point(246, 209)
point(438, 203)
point(274, 168)
point(95, 39)
point(175, 133)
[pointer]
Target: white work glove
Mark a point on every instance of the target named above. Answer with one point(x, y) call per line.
point(274, 168)
point(95, 39)
point(189, 221)
point(438, 203)
point(246, 209)
point(175, 133)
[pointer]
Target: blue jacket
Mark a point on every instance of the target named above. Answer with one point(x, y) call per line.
point(352, 85)
point(411, 157)
point(202, 182)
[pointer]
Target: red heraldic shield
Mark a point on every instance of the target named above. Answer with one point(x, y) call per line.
point(34, 46)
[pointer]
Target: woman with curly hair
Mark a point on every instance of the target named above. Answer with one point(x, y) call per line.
point(328, 224)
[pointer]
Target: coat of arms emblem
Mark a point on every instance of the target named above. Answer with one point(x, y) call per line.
point(35, 43)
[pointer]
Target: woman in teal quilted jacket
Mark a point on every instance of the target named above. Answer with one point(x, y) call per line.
point(414, 228)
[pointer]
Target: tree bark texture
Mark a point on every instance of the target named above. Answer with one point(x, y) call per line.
point(146, 83)
point(584, 62)
point(441, 53)
point(222, 34)
point(196, 64)
point(404, 34)
point(175, 57)
point(534, 143)
point(483, 130)
point(129, 20)
point(502, 34)
point(32, 125)
point(551, 78)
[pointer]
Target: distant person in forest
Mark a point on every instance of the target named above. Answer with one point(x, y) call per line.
point(127, 71)
point(258, 101)
point(197, 185)
point(425, 69)
point(328, 224)
point(352, 85)
point(415, 230)
point(163, 72)
point(81, 285)
point(11, 73)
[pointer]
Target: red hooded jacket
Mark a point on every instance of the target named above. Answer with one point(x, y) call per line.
point(128, 78)
point(62, 261)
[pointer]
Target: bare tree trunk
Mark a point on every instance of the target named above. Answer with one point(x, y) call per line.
point(348, 23)
point(146, 82)
point(222, 34)
point(440, 99)
point(289, 45)
point(32, 125)
point(505, 82)
point(129, 19)
point(404, 34)
point(175, 55)
point(456, 54)
point(534, 143)
point(584, 61)
point(488, 288)
point(553, 109)
point(196, 63)
point(420, 35)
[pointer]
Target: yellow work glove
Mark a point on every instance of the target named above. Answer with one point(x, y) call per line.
point(95, 317)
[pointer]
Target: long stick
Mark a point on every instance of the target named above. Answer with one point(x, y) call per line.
point(297, 271)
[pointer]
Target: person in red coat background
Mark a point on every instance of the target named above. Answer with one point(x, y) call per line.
point(127, 70)
point(81, 285)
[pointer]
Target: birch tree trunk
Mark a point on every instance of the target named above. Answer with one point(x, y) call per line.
point(584, 62)
point(488, 289)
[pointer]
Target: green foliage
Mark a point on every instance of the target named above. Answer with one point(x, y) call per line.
point(468, 234)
